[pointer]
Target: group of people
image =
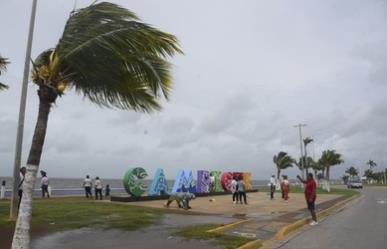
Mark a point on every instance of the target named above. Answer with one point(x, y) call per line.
point(88, 184)
point(238, 190)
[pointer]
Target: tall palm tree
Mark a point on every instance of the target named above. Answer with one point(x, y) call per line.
point(282, 161)
point(306, 141)
point(328, 159)
point(110, 57)
point(371, 163)
point(3, 67)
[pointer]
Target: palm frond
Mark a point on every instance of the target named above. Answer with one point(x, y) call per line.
point(3, 67)
point(3, 86)
point(115, 60)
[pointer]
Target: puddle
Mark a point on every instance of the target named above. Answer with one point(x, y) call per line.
point(156, 236)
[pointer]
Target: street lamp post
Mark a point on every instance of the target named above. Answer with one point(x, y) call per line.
point(301, 153)
point(22, 108)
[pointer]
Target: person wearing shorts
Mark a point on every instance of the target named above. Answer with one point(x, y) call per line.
point(310, 196)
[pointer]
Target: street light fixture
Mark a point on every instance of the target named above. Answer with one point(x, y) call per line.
point(22, 109)
point(301, 152)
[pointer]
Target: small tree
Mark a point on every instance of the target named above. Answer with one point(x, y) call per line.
point(352, 171)
point(306, 141)
point(328, 159)
point(282, 161)
point(345, 178)
point(371, 164)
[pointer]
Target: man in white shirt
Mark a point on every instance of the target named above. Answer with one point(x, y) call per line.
point(98, 188)
point(87, 185)
point(44, 184)
point(234, 191)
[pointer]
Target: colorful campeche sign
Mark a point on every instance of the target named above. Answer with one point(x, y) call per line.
point(207, 181)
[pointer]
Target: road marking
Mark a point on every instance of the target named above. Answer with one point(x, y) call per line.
point(381, 201)
point(246, 235)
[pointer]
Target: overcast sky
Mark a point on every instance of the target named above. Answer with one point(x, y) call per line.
point(251, 71)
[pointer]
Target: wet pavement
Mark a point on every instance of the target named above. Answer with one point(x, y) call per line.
point(265, 226)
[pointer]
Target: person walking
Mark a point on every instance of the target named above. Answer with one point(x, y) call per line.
point(241, 191)
point(234, 191)
point(272, 186)
point(23, 171)
point(2, 190)
point(310, 196)
point(87, 185)
point(44, 184)
point(98, 188)
point(285, 187)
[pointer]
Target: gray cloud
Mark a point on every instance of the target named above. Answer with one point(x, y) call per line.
point(251, 71)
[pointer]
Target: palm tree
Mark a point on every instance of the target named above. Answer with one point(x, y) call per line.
point(3, 67)
point(328, 159)
point(352, 171)
point(110, 57)
point(371, 163)
point(316, 166)
point(282, 161)
point(306, 141)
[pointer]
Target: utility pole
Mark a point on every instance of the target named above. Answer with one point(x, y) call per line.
point(22, 109)
point(301, 153)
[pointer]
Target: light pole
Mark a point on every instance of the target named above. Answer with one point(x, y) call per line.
point(302, 159)
point(22, 109)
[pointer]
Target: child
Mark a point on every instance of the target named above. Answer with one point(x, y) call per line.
point(107, 190)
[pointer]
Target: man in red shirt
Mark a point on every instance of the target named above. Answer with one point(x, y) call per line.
point(310, 196)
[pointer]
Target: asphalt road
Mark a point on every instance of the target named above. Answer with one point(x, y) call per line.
point(361, 225)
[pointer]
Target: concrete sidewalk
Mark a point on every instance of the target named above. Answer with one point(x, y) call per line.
point(259, 204)
point(263, 217)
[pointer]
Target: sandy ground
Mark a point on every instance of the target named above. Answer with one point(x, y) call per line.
point(258, 203)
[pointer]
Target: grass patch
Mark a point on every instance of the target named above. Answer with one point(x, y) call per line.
point(68, 214)
point(334, 191)
point(200, 232)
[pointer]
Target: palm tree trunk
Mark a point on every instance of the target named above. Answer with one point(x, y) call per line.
point(278, 173)
point(328, 182)
point(21, 238)
point(315, 176)
point(327, 173)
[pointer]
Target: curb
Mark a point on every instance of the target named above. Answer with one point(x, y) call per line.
point(255, 244)
point(227, 226)
point(295, 225)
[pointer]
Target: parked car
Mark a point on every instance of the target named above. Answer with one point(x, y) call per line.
point(354, 182)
